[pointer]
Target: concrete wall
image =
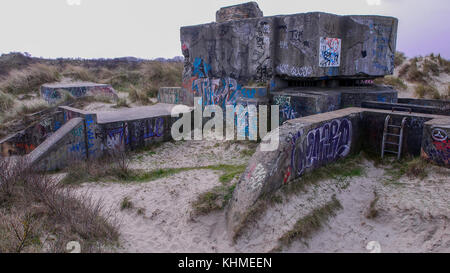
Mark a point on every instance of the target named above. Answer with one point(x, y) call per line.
point(27, 140)
point(296, 103)
point(175, 95)
point(314, 141)
point(63, 147)
point(442, 105)
point(416, 108)
point(53, 93)
point(132, 135)
point(309, 45)
point(436, 142)
point(373, 127)
point(83, 137)
point(305, 144)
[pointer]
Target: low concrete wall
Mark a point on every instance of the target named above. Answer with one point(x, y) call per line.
point(64, 146)
point(443, 105)
point(436, 142)
point(132, 135)
point(174, 95)
point(305, 144)
point(373, 127)
point(117, 132)
point(314, 141)
point(301, 102)
point(28, 139)
point(53, 93)
point(295, 104)
point(438, 109)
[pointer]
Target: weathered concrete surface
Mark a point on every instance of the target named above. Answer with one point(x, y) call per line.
point(88, 135)
point(310, 142)
point(236, 12)
point(436, 142)
point(26, 140)
point(373, 126)
point(142, 112)
point(53, 92)
point(442, 105)
point(305, 144)
point(221, 57)
point(61, 148)
point(407, 107)
point(174, 95)
point(298, 102)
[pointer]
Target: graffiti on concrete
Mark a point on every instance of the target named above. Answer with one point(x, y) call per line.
point(294, 71)
point(90, 135)
point(287, 111)
point(319, 146)
point(439, 135)
point(55, 94)
point(330, 52)
point(256, 176)
point(171, 95)
point(218, 91)
point(441, 151)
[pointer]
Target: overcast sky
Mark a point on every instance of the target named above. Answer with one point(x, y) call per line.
point(150, 28)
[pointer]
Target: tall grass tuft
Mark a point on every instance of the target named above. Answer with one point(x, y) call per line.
point(30, 79)
point(427, 91)
point(6, 102)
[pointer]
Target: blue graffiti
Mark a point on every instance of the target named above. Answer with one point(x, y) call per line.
point(381, 98)
point(201, 68)
point(57, 126)
point(156, 129)
point(322, 145)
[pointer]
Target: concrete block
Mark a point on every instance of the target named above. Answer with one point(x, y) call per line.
point(54, 92)
point(236, 12)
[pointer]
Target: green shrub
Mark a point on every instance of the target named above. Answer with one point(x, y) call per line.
point(414, 74)
point(393, 81)
point(121, 102)
point(138, 95)
point(427, 91)
point(430, 67)
point(399, 58)
point(404, 70)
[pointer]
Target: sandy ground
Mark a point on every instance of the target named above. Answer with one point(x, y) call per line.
point(413, 214)
point(165, 223)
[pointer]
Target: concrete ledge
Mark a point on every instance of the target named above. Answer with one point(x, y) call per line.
point(417, 108)
point(64, 145)
point(143, 112)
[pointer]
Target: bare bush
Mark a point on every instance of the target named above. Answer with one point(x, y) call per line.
point(46, 207)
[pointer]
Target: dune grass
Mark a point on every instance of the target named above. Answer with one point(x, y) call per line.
point(427, 91)
point(393, 81)
point(6, 102)
point(305, 227)
point(29, 80)
point(39, 215)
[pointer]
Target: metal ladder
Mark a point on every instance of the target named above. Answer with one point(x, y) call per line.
point(389, 131)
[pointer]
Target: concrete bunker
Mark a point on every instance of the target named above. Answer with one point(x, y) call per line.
point(55, 92)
